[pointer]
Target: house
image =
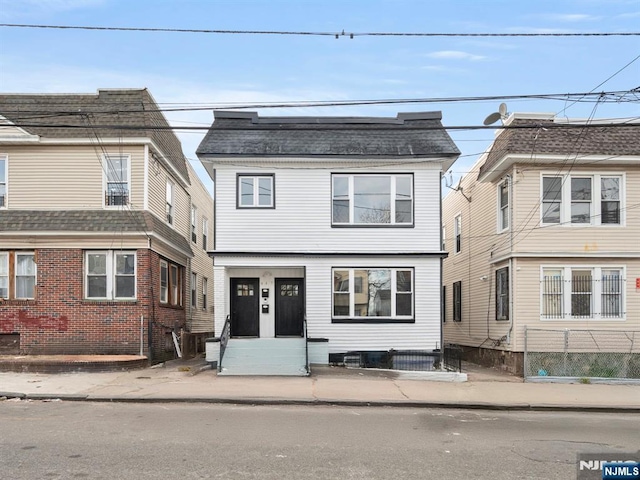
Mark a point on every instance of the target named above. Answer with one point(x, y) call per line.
point(104, 228)
point(542, 236)
point(326, 228)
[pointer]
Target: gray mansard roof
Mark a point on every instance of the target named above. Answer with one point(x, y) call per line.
point(407, 135)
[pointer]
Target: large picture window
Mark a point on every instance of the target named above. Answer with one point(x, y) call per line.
point(18, 275)
point(582, 293)
point(255, 191)
point(582, 199)
point(372, 199)
point(117, 180)
point(372, 295)
point(110, 275)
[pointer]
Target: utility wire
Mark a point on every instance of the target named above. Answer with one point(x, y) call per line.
point(343, 33)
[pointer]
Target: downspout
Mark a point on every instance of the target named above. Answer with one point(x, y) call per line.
point(511, 263)
point(441, 282)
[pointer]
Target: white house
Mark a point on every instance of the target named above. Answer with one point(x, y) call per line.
point(332, 220)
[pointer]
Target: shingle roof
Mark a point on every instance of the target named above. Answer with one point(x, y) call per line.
point(407, 135)
point(550, 139)
point(77, 115)
point(90, 221)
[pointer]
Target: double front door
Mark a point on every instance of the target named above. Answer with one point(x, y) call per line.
point(246, 310)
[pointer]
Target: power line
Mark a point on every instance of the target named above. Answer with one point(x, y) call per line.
point(343, 33)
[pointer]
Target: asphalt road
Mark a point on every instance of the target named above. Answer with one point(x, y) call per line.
point(78, 440)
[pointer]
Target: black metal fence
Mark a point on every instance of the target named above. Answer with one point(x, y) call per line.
point(410, 360)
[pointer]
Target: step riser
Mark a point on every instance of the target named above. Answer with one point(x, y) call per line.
point(285, 357)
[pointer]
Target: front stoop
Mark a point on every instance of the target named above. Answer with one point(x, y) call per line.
point(71, 363)
point(265, 356)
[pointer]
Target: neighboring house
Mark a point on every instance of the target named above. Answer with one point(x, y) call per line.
point(332, 219)
point(96, 253)
point(543, 234)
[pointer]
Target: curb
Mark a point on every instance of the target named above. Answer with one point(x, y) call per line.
point(328, 402)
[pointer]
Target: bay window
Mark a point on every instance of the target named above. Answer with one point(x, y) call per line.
point(373, 295)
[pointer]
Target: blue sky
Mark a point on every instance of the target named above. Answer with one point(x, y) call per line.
point(214, 69)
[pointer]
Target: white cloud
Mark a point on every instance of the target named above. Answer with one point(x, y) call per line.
point(14, 8)
point(455, 55)
point(570, 17)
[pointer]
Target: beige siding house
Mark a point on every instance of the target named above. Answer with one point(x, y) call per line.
point(542, 235)
point(96, 254)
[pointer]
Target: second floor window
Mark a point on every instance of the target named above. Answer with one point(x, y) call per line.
point(3, 181)
point(457, 232)
point(205, 233)
point(582, 199)
point(255, 191)
point(169, 202)
point(117, 180)
point(17, 275)
point(372, 199)
point(503, 206)
point(194, 228)
point(110, 275)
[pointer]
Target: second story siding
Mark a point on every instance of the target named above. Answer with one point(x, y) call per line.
point(301, 219)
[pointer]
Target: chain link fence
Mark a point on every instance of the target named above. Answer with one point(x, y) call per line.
point(583, 355)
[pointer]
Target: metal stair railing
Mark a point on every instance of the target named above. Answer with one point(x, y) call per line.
point(224, 339)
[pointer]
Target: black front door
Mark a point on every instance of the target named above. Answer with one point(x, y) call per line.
point(245, 306)
point(289, 306)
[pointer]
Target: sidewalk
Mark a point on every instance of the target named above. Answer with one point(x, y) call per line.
point(193, 381)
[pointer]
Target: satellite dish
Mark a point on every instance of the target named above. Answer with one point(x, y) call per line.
point(493, 118)
point(503, 109)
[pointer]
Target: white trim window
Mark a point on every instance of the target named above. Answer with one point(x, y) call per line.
point(4, 168)
point(582, 292)
point(372, 199)
point(372, 295)
point(582, 199)
point(256, 191)
point(457, 232)
point(117, 180)
point(503, 206)
point(18, 274)
point(169, 202)
point(110, 275)
point(205, 233)
point(194, 225)
point(171, 275)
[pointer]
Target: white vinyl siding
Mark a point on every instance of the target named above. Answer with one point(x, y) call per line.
point(304, 216)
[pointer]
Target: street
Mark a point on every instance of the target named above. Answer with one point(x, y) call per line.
point(68, 440)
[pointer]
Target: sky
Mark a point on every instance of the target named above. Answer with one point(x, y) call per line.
point(198, 69)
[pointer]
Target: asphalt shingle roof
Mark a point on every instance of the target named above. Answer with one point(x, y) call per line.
point(132, 113)
point(549, 139)
point(106, 221)
point(407, 135)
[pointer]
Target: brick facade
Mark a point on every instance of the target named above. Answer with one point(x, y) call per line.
point(60, 321)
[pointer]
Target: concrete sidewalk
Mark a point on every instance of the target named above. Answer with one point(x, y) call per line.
point(193, 381)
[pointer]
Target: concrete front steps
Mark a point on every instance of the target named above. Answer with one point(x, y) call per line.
point(265, 356)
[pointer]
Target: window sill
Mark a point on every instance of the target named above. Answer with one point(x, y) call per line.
point(18, 301)
point(172, 307)
point(373, 320)
point(372, 225)
point(98, 301)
